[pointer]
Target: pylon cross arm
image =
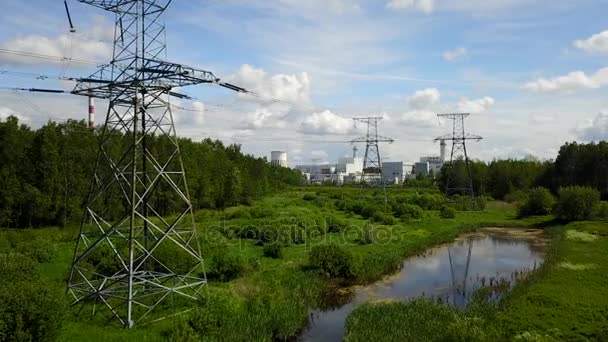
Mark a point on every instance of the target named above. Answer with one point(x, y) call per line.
point(156, 75)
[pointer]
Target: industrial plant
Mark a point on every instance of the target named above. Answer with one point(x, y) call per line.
point(348, 170)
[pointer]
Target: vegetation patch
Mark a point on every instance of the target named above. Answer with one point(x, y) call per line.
point(576, 235)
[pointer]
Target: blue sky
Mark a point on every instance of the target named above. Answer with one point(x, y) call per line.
point(530, 71)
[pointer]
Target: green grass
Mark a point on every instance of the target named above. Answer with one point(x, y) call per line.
point(271, 298)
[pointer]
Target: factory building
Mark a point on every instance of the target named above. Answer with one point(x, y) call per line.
point(431, 166)
point(346, 170)
point(394, 172)
point(278, 158)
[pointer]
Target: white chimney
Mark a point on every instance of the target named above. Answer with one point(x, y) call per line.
point(442, 147)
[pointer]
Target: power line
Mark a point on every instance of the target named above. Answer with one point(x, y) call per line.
point(46, 57)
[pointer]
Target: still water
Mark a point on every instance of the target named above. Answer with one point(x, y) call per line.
point(451, 272)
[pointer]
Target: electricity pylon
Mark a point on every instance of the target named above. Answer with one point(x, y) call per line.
point(459, 149)
point(372, 164)
point(129, 258)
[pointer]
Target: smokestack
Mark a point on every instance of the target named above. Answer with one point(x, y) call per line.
point(355, 149)
point(442, 146)
point(91, 112)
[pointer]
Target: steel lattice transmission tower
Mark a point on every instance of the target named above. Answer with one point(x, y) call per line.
point(372, 163)
point(145, 257)
point(459, 138)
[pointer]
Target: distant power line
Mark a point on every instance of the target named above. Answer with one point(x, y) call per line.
point(46, 57)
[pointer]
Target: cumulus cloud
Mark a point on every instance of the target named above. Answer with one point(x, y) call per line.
point(263, 118)
point(454, 55)
point(597, 43)
point(571, 82)
point(420, 118)
point(92, 46)
point(424, 98)
point(594, 129)
point(326, 122)
point(425, 6)
point(290, 88)
point(475, 106)
point(5, 112)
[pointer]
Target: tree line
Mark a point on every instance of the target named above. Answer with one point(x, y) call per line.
point(575, 165)
point(45, 173)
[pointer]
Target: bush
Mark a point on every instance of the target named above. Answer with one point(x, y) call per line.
point(37, 249)
point(226, 266)
point(335, 225)
point(273, 250)
point(447, 212)
point(367, 235)
point(16, 267)
point(383, 218)
point(601, 211)
point(30, 312)
point(577, 203)
point(429, 202)
point(539, 202)
point(517, 196)
point(332, 260)
point(408, 211)
point(309, 197)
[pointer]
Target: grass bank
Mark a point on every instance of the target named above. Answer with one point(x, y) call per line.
point(566, 300)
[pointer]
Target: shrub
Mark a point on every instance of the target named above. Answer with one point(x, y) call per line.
point(447, 212)
point(332, 260)
point(30, 311)
point(37, 249)
point(226, 266)
point(577, 203)
point(309, 197)
point(383, 218)
point(539, 202)
point(335, 225)
point(517, 196)
point(16, 267)
point(367, 235)
point(408, 211)
point(601, 211)
point(429, 202)
point(273, 250)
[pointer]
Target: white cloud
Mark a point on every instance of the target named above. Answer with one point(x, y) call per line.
point(454, 55)
point(597, 43)
point(5, 112)
point(594, 129)
point(92, 45)
point(475, 106)
point(423, 99)
point(571, 82)
point(290, 88)
point(420, 119)
point(326, 122)
point(425, 6)
point(263, 118)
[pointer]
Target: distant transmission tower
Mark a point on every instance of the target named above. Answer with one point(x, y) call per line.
point(129, 257)
point(459, 138)
point(372, 164)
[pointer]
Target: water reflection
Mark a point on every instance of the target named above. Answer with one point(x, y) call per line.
point(451, 273)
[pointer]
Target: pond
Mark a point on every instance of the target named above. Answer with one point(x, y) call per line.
point(450, 272)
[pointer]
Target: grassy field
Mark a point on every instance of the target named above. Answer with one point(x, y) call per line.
point(566, 300)
point(254, 297)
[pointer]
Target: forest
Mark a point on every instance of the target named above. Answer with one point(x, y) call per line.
point(575, 165)
point(45, 173)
